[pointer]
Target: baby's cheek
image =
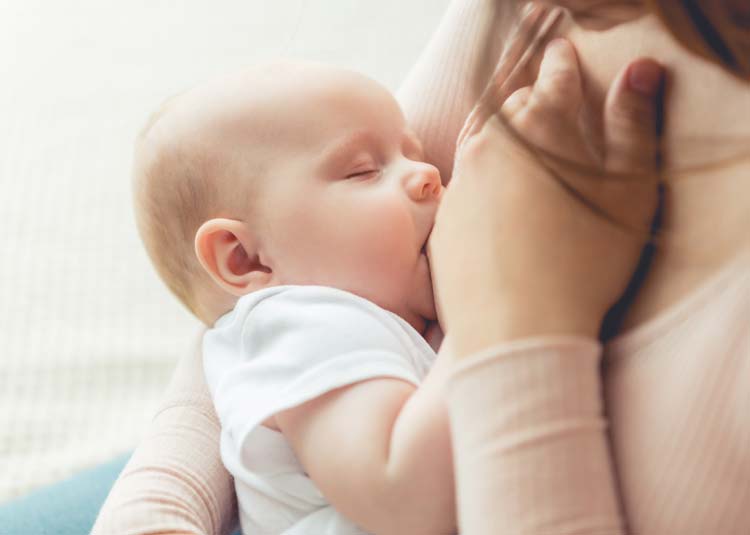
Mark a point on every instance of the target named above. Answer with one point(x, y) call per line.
point(394, 242)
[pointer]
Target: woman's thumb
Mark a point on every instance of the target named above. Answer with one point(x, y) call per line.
point(632, 118)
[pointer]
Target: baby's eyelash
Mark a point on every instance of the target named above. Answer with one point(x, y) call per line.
point(362, 173)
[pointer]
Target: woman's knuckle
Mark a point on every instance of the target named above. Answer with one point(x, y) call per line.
point(537, 109)
point(565, 79)
point(527, 123)
point(475, 146)
point(562, 82)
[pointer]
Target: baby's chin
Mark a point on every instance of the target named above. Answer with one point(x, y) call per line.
point(426, 304)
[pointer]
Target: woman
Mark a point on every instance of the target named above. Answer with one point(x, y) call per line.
point(526, 398)
point(675, 383)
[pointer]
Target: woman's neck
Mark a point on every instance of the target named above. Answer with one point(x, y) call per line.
point(706, 212)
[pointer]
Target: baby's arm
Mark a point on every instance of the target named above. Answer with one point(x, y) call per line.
point(380, 452)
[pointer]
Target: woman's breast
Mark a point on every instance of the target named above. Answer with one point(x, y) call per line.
point(677, 396)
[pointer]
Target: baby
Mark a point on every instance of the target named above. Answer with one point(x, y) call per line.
point(288, 207)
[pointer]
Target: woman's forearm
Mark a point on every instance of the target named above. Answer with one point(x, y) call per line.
point(175, 481)
point(530, 441)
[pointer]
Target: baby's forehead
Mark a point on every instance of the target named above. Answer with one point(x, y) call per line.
point(263, 115)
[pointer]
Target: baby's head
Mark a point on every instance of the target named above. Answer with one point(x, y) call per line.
point(289, 173)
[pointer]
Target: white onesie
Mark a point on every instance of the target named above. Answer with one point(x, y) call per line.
point(278, 348)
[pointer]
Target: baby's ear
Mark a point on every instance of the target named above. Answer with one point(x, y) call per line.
point(228, 251)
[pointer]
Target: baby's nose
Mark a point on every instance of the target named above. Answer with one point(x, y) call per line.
point(424, 183)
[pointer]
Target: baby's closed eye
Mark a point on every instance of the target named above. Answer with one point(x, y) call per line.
point(364, 173)
point(362, 168)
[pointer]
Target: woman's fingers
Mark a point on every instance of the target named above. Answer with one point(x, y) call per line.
point(631, 118)
point(548, 114)
point(516, 102)
point(558, 86)
point(513, 68)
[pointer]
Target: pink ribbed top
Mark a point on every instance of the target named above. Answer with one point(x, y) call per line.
point(530, 421)
point(677, 393)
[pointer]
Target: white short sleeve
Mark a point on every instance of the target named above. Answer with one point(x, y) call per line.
point(286, 345)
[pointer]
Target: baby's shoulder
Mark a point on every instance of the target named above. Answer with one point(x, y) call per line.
point(319, 315)
point(311, 305)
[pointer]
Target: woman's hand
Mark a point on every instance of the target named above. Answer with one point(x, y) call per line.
point(542, 236)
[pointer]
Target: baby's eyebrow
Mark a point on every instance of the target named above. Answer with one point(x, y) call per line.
point(343, 146)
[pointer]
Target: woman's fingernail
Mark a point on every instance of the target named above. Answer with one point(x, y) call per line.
point(645, 77)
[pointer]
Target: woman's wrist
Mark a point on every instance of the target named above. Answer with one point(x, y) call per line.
point(473, 333)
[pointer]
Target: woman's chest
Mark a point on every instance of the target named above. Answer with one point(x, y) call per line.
point(677, 397)
point(703, 230)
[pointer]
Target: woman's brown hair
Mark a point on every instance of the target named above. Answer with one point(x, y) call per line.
point(717, 30)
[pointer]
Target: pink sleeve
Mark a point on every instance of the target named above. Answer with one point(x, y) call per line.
point(530, 440)
point(175, 482)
